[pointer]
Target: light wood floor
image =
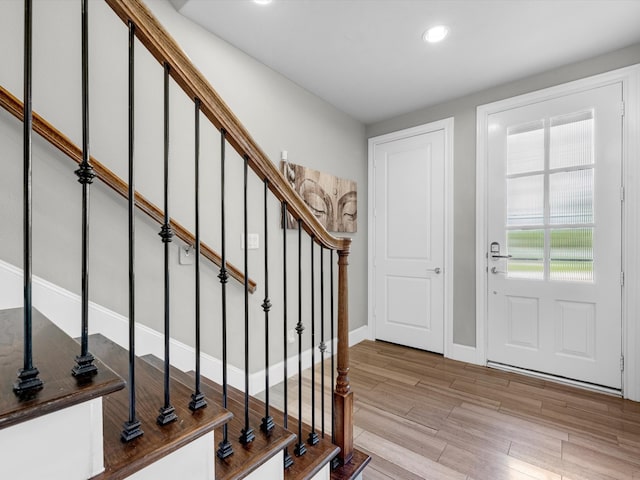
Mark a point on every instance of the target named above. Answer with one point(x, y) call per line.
point(421, 416)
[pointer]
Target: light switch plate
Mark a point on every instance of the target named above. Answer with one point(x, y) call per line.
point(253, 241)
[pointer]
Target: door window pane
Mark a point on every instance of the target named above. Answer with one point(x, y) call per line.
point(526, 248)
point(550, 199)
point(525, 200)
point(525, 148)
point(571, 197)
point(571, 140)
point(571, 254)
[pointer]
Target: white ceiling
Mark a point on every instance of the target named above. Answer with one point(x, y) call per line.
point(366, 57)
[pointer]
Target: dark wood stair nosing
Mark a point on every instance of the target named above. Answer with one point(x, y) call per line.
point(304, 467)
point(307, 466)
point(246, 459)
point(123, 459)
point(54, 352)
point(352, 468)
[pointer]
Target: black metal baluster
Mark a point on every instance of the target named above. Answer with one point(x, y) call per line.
point(132, 428)
point(300, 448)
point(197, 397)
point(28, 375)
point(288, 461)
point(84, 362)
point(313, 436)
point(267, 421)
point(167, 412)
point(335, 463)
point(333, 353)
point(246, 435)
point(224, 447)
point(323, 346)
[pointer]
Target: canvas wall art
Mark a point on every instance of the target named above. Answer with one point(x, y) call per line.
point(332, 200)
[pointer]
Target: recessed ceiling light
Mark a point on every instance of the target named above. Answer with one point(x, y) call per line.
point(262, 2)
point(435, 34)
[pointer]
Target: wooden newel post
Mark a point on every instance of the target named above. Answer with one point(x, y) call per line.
point(343, 393)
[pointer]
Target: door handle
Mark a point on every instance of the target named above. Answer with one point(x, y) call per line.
point(495, 270)
point(436, 270)
point(494, 251)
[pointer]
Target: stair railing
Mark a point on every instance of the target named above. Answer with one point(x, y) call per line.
point(164, 48)
point(145, 28)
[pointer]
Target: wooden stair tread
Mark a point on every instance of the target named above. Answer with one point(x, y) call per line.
point(54, 355)
point(352, 468)
point(245, 459)
point(304, 467)
point(317, 456)
point(123, 459)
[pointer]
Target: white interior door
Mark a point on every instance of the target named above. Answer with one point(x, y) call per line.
point(554, 234)
point(408, 206)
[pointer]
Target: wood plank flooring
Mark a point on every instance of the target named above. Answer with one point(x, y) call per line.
point(421, 416)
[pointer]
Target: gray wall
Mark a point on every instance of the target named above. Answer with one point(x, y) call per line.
point(464, 112)
point(279, 115)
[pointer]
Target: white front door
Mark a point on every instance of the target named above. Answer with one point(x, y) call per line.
point(408, 205)
point(554, 234)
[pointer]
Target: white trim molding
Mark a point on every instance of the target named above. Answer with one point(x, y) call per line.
point(450, 349)
point(629, 78)
point(62, 307)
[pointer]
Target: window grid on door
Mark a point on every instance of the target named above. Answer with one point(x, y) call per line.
point(549, 184)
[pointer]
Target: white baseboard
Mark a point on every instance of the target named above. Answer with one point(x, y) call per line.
point(358, 335)
point(454, 351)
point(464, 353)
point(63, 308)
point(276, 371)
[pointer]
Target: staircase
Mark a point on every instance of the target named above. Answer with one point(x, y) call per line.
point(90, 400)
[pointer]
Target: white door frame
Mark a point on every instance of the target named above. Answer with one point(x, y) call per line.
point(630, 79)
point(447, 126)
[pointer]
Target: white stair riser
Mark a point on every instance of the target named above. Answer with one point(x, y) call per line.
point(64, 445)
point(324, 474)
point(270, 470)
point(195, 461)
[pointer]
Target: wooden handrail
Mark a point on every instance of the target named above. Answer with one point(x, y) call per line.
point(165, 49)
point(56, 138)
